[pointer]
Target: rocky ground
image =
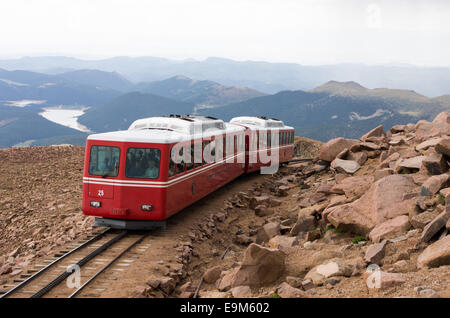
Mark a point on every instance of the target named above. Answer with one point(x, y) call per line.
point(40, 203)
point(365, 218)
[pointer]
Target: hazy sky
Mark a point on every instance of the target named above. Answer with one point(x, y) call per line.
point(302, 31)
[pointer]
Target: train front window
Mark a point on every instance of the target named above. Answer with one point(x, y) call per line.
point(143, 163)
point(104, 161)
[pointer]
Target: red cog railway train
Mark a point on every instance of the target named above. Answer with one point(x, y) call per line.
point(137, 178)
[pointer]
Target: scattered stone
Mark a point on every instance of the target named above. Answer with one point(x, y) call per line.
point(390, 228)
point(379, 280)
point(435, 164)
point(268, 231)
point(420, 220)
point(376, 132)
point(224, 283)
point(212, 274)
point(260, 266)
point(262, 210)
point(304, 224)
point(347, 166)
point(294, 281)
point(437, 224)
point(443, 147)
point(382, 202)
point(287, 291)
point(241, 292)
point(282, 242)
point(332, 148)
point(429, 293)
point(435, 183)
point(375, 253)
point(321, 273)
point(436, 254)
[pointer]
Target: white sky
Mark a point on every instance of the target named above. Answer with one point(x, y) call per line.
point(301, 31)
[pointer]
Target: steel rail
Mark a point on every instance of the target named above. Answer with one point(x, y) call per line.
point(107, 265)
point(44, 269)
point(80, 263)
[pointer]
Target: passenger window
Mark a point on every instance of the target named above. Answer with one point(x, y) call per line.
point(190, 164)
point(180, 166)
point(224, 147)
point(197, 155)
point(143, 163)
point(205, 144)
point(269, 141)
point(235, 144)
point(171, 167)
point(104, 161)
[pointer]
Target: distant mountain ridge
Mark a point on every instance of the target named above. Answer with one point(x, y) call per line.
point(197, 92)
point(336, 109)
point(263, 76)
point(119, 113)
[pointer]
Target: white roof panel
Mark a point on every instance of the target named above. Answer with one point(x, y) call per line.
point(169, 130)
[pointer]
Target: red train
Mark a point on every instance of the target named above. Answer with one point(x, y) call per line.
point(139, 177)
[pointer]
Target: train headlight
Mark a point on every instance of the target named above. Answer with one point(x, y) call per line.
point(95, 204)
point(147, 207)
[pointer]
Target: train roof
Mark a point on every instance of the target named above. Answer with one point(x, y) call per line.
point(169, 129)
point(260, 123)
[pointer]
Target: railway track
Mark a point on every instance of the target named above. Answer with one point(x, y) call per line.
point(71, 271)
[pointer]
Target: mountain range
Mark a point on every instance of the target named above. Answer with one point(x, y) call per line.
point(263, 76)
point(332, 109)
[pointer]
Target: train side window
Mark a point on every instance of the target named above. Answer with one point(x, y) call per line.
point(235, 144)
point(205, 144)
point(197, 149)
point(180, 166)
point(190, 163)
point(269, 139)
point(171, 167)
point(224, 147)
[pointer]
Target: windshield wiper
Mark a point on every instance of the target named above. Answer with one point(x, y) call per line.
point(105, 175)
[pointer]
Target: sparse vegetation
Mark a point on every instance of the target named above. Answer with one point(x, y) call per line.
point(358, 239)
point(441, 199)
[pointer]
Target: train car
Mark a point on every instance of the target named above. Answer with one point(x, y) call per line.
point(268, 141)
point(139, 177)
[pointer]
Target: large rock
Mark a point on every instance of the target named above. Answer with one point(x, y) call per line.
point(376, 132)
point(332, 148)
point(443, 147)
point(347, 166)
point(435, 183)
point(303, 224)
point(413, 163)
point(432, 228)
point(268, 231)
point(428, 143)
point(390, 229)
point(439, 127)
point(260, 266)
point(337, 267)
point(212, 274)
point(383, 201)
point(420, 220)
point(353, 187)
point(379, 280)
point(375, 253)
point(435, 163)
point(436, 254)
